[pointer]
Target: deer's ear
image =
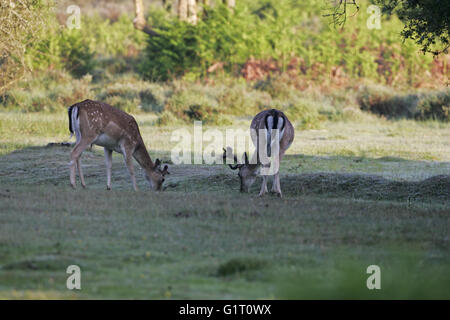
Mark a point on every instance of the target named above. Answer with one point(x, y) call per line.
point(227, 153)
point(164, 171)
point(157, 163)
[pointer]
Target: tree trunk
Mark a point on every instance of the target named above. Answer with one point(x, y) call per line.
point(230, 3)
point(182, 10)
point(139, 21)
point(192, 11)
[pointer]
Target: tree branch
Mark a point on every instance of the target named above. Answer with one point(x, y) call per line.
point(139, 21)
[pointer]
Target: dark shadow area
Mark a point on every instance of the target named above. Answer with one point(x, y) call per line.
point(367, 186)
point(419, 106)
point(49, 165)
point(346, 185)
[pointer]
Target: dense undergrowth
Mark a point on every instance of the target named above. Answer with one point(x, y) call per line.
point(263, 54)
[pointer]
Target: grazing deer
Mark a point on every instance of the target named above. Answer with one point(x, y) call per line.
point(271, 130)
point(99, 123)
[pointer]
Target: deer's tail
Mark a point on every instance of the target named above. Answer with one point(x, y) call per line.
point(74, 125)
point(274, 121)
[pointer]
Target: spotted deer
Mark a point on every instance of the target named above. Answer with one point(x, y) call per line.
point(98, 123)
point(271, 131)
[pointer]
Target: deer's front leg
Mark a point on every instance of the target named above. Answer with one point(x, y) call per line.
point(108, 161)
point(263, 186)
point(129, 163)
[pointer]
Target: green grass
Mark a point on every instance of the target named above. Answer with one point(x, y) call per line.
point(355, 194)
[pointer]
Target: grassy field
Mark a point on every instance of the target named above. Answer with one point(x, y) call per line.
point(355, 194)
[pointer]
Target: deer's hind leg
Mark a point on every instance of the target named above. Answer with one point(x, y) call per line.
point(263, 186)
point(80, 173)
point(276, 188)
point(108, 161)
point(75, 160)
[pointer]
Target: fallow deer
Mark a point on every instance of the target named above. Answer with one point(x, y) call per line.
point(271, 130)
point(99, 123)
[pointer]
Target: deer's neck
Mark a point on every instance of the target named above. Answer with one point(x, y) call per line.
point(143, 158)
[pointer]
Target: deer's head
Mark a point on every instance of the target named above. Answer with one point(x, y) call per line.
point(247, 171)
point(156, 176)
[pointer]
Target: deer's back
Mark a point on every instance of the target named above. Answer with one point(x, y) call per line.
point(102, 116)
point(259, 122)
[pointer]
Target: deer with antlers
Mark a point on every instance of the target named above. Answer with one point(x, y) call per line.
point(98, 123)
point(272, 134)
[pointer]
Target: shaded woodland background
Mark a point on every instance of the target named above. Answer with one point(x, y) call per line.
point(211, 60)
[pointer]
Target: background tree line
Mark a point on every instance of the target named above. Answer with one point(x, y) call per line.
point(278, 48)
